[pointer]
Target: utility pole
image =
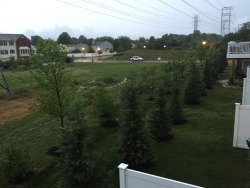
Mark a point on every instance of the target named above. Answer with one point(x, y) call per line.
point(196, 22)
point(226, 15)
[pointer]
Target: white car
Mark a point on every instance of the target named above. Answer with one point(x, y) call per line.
point(136, 58)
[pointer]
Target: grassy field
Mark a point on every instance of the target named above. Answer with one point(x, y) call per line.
point(201, 152)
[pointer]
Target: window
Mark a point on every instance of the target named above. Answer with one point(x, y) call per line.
point(3, 43)
point(11, 43)
point(12, 51)
point(25, 51)
point(3, 52)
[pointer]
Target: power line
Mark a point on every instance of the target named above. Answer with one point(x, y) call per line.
point(127, 13)
point(142, 10)
point(175, 8)
point(212, 5)
point(77, 6)
point(154, 8)
point(220, 3)
point(201, 12)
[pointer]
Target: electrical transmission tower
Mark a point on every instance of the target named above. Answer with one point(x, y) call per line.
point(196, 22)
point(226, 15)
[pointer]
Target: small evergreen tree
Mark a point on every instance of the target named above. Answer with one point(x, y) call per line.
point(176, 106)
point(76, 164)
point(105, 107)
point(193, 88)
point(135, 145)
point(17, 167)
point(160, 122)
point(208, 76)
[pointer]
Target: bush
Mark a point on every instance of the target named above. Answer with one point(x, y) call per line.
point(105, 108)
point(77, 165)
point(17, 167)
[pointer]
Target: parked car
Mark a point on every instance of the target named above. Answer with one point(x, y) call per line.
point(136, 58)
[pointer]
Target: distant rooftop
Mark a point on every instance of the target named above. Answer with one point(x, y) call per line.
point(9, 37)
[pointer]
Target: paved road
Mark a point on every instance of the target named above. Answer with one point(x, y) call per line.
point(96, 60)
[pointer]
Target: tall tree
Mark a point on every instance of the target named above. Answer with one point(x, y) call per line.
point(160, 122)
point(105, 38)
point(64, 38)
point(122, 43)
point(78, 170)
point(82, 39)
point(52, 79)
point(176, 110)
point(35, 39)
point(135, 144)
point(74, 40)
point(193, 88)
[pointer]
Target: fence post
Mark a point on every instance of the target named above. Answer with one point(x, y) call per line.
point(236, 123)
point(122, 168)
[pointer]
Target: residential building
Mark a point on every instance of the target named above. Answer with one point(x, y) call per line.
point(103, 46)
point(83, 48)
point(14, 46)
point(239, 53)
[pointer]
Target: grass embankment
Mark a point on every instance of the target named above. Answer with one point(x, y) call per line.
point(152, 55)
point(201, 152)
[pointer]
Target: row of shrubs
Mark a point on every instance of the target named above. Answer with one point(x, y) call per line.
point(15, 64)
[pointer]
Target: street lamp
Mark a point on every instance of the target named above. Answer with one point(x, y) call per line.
point(83, 50)
point(144, 46)
point(203, 51)
point(99, 52)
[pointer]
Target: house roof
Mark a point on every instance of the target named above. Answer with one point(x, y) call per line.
point(99, 43)
point(9, 37)
point(24, 48)
point(76, 45)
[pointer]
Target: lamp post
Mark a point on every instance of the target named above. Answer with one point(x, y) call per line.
point(203, 51)
point(83, 52)
point(99, 52)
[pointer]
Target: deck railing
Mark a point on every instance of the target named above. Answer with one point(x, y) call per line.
point(238, 48)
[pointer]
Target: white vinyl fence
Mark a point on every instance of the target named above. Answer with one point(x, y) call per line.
point(246, 89)
point(89, 55)
point(135, 179)
point(241, 125)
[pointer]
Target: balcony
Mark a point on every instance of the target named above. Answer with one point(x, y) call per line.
point(239, 50)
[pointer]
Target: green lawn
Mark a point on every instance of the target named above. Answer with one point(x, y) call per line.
point(201, 152)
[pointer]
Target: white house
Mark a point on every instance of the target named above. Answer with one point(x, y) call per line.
point(14, 46)
point(103, 46)
point(239, 52)
point(83, 48)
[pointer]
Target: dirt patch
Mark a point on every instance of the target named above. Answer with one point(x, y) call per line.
point(15, 109)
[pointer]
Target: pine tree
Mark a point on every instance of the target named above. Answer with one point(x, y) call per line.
point(76, 163)
point(160, 122)
point(176, 106)
point(135, 143)
point(208, 76)
point(193, 88)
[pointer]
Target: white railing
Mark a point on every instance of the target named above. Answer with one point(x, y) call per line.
point(135, 179)
point(238, 48)
point(89, 55)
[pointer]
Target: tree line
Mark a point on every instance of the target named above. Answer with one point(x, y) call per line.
point(123, 43)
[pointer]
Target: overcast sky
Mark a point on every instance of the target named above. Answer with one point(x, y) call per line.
point(132, 18)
